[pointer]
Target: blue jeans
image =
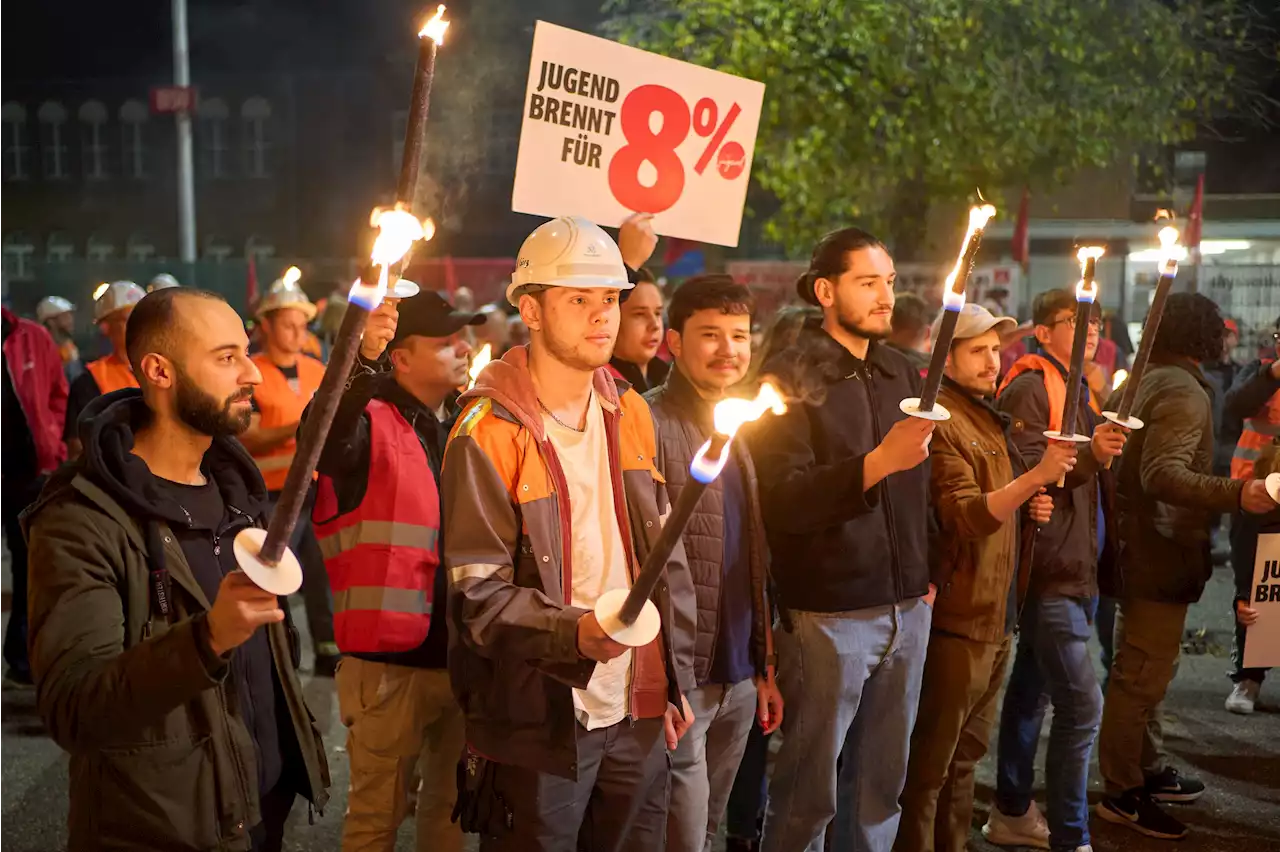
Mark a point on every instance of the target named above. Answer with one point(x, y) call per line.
point(1053, 662)
point(851, 682)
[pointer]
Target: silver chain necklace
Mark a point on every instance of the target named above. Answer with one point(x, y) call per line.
point(552, 414)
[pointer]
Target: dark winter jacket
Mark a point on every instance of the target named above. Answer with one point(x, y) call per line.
point(683, 422)
point(834, 546)
point(1066, 558)
point(162, 756)
point(1167, 494)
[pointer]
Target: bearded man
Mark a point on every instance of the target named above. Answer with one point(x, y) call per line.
point(168, 676)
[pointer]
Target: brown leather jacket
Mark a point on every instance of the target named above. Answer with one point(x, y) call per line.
point(684, 422)
point(972, 456)
point(513, 654)
point(1167, 494)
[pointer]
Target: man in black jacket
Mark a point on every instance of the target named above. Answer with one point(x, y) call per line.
point(405, 731)
point(844, 488)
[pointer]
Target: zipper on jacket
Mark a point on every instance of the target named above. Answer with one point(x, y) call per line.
point(896, 570)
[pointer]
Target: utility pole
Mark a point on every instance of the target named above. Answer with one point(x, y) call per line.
point(186, 166)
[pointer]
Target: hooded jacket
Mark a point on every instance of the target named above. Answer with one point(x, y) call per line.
point(161, 751)
point(835, 545)
point(513, 655)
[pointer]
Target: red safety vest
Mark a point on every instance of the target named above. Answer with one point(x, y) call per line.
point(112, 374)
point(1054, 385)
point(382, 557)
point(1260, 432)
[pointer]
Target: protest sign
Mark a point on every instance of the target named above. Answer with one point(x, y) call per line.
point(610, 130)
point(1262, 642)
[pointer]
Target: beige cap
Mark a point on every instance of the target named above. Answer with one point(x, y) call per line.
point(975, 320)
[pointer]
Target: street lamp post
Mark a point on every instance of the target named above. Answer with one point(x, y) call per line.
point(186, 167)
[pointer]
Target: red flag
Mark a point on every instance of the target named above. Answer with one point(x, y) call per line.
point(251, 286)
point(1195, 217)
point(1021, 247)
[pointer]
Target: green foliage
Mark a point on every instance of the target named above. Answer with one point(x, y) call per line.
point(874, 109)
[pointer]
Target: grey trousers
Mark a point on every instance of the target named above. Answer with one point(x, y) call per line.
point(618, 803)
point(706, 762)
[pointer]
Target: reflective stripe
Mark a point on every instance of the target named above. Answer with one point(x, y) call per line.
point(1246, 453)
point(267, 464)
point(480, 571)
point(382, 598)
point(1262, 427)
point(378, 532)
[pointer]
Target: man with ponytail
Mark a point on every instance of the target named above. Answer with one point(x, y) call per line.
point(844, 491)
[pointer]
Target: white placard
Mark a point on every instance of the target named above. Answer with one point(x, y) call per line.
point(1262, 642)
point(610, 130)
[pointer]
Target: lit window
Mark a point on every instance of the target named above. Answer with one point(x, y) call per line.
point(133, 126)
point(93, 129)
point(53, 139)
point(213, 138)
point(255, 114)
point(19, 251)
point(15, 141)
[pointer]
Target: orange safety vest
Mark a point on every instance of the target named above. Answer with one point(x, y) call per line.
point(1054, 384)
point(383, 556)
point(112, 374)
point(1260, 432)
point(280, 405)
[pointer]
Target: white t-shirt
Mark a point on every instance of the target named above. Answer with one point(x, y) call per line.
point(599, 558)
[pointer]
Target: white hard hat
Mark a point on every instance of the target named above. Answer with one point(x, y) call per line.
point(116, 296)
point(162, 281)
point(568, 252)
point(51, 306)
point(286, 295)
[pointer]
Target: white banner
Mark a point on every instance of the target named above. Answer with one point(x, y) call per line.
point(1262, 642)
point(610, 130)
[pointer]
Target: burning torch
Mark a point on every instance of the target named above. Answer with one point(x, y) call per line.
point(925, 406)
point(264, 555)
point(1086, 295)
point(1170, 254)
point(627, 615)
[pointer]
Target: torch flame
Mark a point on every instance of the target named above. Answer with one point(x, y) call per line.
point(1087, 291)
point(952, 299)
point(478, 363)
point(398, 230)
point(730, 414)
point(435, 27)
point(1118, 379)
point(1170, 251)
point(291, 275)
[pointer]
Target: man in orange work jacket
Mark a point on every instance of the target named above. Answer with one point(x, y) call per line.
point(378, 519)
point(289, 380)
point(112, 306)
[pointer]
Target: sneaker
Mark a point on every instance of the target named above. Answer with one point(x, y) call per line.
point(1244, 697)
point(1085, 848)
point(1170, 786)
point(1031, 829)
point(1138, 811)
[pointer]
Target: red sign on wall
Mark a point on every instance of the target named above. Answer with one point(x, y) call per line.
point(169, 99)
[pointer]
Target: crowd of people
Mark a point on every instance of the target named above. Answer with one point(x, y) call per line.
point(851, 572)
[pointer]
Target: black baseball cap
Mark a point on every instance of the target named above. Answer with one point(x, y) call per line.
point(428, 314)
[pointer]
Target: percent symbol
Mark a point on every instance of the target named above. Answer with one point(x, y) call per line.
point(705, 116)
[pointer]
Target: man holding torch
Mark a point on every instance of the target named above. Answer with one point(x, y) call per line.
point(1052, 655)
point(1167, 497)
point(551, 498)
point(163, 670)
point(710, 338)
point(844, 491)
point(988, 501)
point(377, 516)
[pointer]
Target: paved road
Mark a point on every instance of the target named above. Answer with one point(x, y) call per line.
point(1238, 757)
